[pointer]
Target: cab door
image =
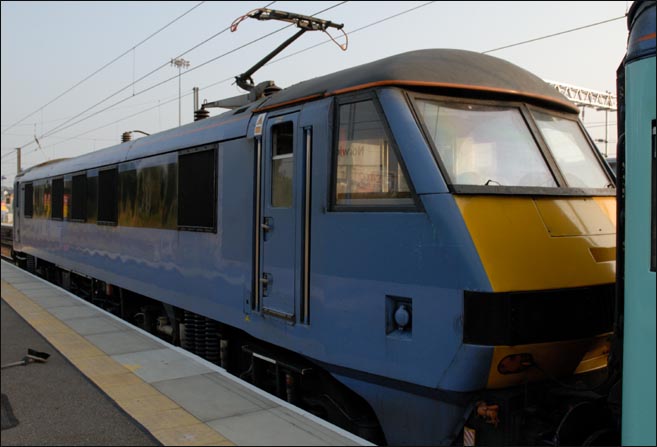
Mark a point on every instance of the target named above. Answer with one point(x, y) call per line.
point(281, 226)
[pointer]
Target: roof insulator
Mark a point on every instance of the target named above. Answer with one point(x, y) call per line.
point(201, 113)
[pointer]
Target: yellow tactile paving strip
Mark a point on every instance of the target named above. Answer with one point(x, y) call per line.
point(162, 417)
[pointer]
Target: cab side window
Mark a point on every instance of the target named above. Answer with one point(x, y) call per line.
point(367, 170)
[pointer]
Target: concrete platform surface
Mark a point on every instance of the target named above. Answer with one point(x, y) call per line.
point(171, 396)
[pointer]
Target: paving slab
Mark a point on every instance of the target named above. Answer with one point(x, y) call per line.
point(174, 395)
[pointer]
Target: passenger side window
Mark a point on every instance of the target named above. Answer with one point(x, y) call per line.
point(57, 199)
point(367, 170)
point(66, 197)
point(108, 196)
point(92, 196)
point(148, 192)
point(28, 198)
point(79, 198)
point(197, 191)
point(42, 199)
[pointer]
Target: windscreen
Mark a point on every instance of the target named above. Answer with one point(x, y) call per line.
point(571, 151)
point(485, 145)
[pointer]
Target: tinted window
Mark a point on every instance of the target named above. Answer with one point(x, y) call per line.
point(42, 195)
point(68, 180)
point(79, 197)
point(197, 189)
point(107, 196)
point(148, 192)
point(29, 200)
point(92, 196)
point(57, 198)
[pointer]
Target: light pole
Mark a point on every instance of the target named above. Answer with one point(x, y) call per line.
point(180, 63)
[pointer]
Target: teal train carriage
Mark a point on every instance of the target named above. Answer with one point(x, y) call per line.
point(637, 171)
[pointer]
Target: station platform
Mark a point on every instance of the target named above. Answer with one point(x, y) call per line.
point(168, 395)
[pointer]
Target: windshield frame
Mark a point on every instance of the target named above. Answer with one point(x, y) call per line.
point(525, 109)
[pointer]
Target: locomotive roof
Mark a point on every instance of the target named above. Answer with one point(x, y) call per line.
point(445, 69)
point(442, 70)
point(221, 127)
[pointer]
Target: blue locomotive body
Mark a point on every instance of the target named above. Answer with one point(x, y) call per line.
point(327, 220)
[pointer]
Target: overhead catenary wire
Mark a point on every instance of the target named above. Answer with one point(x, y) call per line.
point(53, 131)
point(316, 45)
point(64, 126)
point(555, 34)
point(62, 119)
point(104, 66)
point(62, 138)
point(327, 41)
point(61, 126)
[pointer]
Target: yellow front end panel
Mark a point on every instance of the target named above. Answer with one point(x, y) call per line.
point(527, 243)
point(556, 359)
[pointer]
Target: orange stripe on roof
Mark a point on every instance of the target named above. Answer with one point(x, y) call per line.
point(647, 37)
point(454, 86)
point(288, 103)
point(354, 88)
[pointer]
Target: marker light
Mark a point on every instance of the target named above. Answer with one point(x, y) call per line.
point(515, 363)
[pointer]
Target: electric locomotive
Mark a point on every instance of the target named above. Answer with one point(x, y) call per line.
point(420, 249)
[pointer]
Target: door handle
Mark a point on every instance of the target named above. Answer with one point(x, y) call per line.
point(265, 281)
point(267, 225)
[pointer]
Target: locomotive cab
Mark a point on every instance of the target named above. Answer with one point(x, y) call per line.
point(521, 234)
point(539, 205)
point(520, 238)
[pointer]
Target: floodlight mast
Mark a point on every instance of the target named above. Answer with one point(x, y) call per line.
point(306, 23)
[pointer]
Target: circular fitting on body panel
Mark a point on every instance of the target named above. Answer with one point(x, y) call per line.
point(402, 316)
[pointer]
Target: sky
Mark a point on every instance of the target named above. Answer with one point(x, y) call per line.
point(76, 75)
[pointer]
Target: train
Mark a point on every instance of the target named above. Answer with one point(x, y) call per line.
point(637, 171)
point(420, 249)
